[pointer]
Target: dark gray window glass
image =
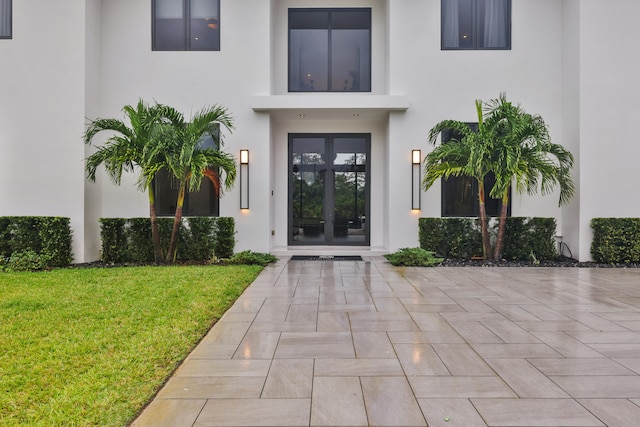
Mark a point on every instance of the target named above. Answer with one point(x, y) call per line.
point(204, 202)
point(460, 196)
point(330, 50)
point(186, 25)
point(476, 24)
point(5, 19)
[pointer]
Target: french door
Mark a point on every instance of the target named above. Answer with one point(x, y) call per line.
point(329, 189)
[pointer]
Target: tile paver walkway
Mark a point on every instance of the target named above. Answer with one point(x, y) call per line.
point(319, 343)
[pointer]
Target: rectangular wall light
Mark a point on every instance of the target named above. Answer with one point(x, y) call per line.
point(415, 179)
point(244, 179)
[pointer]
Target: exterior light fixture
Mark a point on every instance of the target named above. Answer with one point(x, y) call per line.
point(244, 179)
point(415, 179)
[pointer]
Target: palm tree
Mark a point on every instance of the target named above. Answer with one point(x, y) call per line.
point(127, 149)
point(189, 160)
point(525, 157)
point(514, 146)
point(467, 155)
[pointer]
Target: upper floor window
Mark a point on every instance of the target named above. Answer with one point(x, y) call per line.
point(476, 24)
point(186, 24)
point(460, 196)
point(330, 50)
point(5, 19)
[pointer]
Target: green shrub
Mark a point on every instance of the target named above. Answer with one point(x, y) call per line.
point(27, 260)
point(165, 227)
point(139, 242)
point(25, 234)
point(225, 240)
point(55, 238)
point(450, 237)
point(130, 240)
point(527, 238)
point(251, 258)
point(616, 240)
point(417, 257)
point(114, 239)
point(199, 240)
point(5, 237)
point(46, 236)
point(461, 237)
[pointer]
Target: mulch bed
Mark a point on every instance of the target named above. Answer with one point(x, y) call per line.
point(560, 262)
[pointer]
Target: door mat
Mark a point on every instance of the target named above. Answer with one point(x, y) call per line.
point(326, 258)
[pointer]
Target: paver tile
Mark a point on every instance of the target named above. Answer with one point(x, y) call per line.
point(357, 343)
point(534, 413)
point(337, 401)
point(254, 412)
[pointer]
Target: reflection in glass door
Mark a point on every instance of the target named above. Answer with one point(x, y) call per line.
point(329, 189)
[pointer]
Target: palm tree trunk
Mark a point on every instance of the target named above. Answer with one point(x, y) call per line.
point(501, 226)
point(486, 242)
point(155, 233)
point(177, 220)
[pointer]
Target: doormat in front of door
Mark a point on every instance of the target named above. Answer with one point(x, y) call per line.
point(326, 258)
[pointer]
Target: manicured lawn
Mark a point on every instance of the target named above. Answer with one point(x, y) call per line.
point(83, 347)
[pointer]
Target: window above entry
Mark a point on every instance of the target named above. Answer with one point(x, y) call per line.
point(186, 25)
point(5, 19)
point(330, 50)
point(476, 24)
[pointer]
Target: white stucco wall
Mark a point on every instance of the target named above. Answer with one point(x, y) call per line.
point(609, 70)
point(42, 113)
point(93, 73)
point(570, 228)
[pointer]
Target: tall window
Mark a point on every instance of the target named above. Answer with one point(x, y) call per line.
point(186, 24)
point(460, 193)
point(5, 19)
point(476, 24)
point(204, 202)
point(330, 50)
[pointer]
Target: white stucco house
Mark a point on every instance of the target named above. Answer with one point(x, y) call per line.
point(330, 98)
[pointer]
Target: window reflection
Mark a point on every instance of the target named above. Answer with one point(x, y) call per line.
point(330, 50)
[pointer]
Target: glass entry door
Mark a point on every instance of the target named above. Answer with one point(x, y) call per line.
point(329, 189)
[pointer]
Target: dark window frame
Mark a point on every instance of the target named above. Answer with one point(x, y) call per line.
point(329, 10)
point(492, 206)
point(475, 30)
point(9, 34)
point(161, 210)
point(168, 178)
point(186, 41)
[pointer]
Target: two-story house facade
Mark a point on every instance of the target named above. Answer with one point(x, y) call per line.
point(330, 98)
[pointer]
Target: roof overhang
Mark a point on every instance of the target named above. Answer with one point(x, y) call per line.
point(329, 106)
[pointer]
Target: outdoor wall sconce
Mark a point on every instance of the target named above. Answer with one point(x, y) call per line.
point(244, 179)
point(415, 179)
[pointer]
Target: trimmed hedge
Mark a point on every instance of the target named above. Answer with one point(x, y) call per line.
point(461, 237)
point(451, 237)
point(129, 239)
point(225, 241)
point(47, 237)
point(616, 240)
point(199, 242)
point(527, 238)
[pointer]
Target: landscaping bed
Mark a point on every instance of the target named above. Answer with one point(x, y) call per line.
point(560, 262)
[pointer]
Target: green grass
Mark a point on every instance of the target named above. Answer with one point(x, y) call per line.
point(90, 347)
